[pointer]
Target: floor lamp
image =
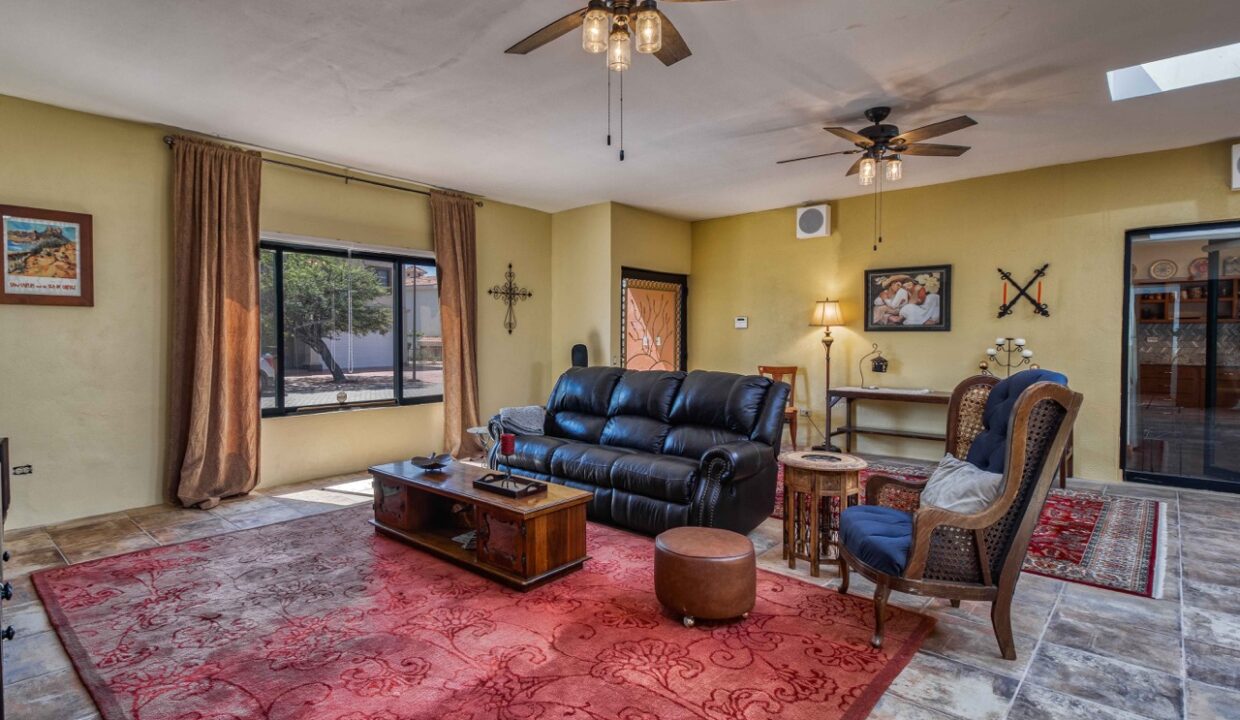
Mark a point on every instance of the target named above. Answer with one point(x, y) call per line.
point(826, 314)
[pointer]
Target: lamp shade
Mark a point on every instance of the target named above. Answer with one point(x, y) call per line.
point(826, 314)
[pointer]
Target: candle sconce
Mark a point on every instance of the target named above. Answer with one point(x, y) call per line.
point(1022, 291)
point(1009, 354)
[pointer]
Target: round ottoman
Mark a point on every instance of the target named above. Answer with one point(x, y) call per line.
point(705, 573)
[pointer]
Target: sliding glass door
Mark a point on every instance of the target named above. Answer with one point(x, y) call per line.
point(1181, 419)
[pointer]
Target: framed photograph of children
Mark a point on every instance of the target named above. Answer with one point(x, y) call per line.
point(47, 257)
point(911, 298)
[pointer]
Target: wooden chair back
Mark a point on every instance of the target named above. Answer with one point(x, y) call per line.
point(782, 373)
point(964, 413)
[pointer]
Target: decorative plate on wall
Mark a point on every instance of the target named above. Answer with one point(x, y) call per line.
point(1231, 265)
point(1199, 269)
point(1163, 269)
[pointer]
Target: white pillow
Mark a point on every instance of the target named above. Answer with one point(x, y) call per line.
point(961, 487)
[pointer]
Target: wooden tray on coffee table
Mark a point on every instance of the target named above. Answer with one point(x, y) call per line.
point(520, 542)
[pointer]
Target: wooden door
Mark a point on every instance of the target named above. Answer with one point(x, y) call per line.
point(652, 320)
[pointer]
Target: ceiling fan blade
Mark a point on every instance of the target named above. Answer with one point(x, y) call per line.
point(932, 149)
point(566, 24)
point(822, 155)
point(850, 136)
point(856, 167)
point(934, 130)
point(674, 48)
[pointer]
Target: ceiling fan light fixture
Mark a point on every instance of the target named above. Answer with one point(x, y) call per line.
point(649, 28)
point(893, 168)
point(867, 170)
point(594, 27)
point(619, 53)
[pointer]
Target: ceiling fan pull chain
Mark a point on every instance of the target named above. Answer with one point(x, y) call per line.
point(621, 117)
point(608, 104)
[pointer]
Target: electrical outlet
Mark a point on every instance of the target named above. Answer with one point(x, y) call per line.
point(804, 413)
point(23, 470)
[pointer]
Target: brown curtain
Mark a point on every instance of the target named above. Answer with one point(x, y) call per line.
point(214, 423)
point(452, 226)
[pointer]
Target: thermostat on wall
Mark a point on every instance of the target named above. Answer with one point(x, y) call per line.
point(742, 322)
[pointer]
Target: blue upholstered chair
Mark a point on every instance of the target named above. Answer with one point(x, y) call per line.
point(1024, 426)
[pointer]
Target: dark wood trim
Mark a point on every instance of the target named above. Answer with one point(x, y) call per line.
point(85, 260)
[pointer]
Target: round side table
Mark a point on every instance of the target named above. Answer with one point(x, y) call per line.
point(810, 531)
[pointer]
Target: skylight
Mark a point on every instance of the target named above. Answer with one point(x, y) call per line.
point(1173, 73)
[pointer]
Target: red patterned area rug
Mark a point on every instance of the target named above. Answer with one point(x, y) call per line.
point(320, 618)
point(1108, 541)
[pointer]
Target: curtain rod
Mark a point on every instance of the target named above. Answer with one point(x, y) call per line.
point(170, 141)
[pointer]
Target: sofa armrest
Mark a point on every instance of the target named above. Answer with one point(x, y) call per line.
point(736, 460)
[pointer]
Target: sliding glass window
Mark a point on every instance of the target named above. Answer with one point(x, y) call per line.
point(344, 328)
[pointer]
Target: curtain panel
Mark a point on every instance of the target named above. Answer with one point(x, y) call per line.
point(452, 226)
point(213, 430)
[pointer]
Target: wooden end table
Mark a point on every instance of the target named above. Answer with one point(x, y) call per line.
point(810, 532)
point(521, 542)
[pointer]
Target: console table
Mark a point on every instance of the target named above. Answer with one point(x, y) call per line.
point(852, 395)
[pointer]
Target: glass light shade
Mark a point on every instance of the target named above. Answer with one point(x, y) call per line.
point(867, 170)
point(619, 54)
point(649, 31)
point(594, 30)
point(826, 314)
point(893, 168)
point(1026, 353)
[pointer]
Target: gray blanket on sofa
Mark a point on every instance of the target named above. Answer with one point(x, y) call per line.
point(525, 420)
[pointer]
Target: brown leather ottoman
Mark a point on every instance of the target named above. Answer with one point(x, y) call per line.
point(705, 573)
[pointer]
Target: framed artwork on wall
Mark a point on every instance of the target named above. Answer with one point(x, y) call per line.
point(912, 298)
point(47, 257)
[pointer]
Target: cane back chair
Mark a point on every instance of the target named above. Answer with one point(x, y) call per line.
point(940, 553)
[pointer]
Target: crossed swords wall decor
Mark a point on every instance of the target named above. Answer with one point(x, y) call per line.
point(1022, 291)
point(510, 294)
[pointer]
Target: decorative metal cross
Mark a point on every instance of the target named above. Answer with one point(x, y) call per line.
point(510, 294)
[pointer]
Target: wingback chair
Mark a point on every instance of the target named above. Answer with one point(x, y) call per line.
point(1024, 427)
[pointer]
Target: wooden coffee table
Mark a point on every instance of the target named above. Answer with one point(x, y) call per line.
point(520, 542)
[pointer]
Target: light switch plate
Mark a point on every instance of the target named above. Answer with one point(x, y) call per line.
point(742, 322)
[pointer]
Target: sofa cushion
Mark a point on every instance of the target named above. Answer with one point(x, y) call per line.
point(586, 463)
point(657, 476)
point(584, 390)
point(878, 536)
point(646, 514)
point(633, 431)
point(720, 400)
point(533, 452)
point(578, 426)
point(692, 441)
point(989, 448)
point(648, 393)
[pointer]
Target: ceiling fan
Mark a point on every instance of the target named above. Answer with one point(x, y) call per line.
point(885, 143)
point(608, 25)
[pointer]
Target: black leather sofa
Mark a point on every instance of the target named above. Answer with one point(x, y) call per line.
point(660, 449)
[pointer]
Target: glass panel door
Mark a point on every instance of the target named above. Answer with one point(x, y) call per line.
point(652, 320)
point(1182, 384)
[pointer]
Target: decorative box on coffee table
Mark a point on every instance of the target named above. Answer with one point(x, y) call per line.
point(519, 541)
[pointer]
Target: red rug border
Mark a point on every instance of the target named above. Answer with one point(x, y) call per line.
point(111, 710)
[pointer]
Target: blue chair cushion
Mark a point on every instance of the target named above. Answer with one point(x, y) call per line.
point(988, 450)
point(878, 536)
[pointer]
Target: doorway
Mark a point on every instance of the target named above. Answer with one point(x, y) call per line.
point(1181, 392)
point(653, 327)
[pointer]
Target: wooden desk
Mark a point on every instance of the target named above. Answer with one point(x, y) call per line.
point(852, 394)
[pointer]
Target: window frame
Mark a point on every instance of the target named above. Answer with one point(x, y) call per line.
point(399, 260)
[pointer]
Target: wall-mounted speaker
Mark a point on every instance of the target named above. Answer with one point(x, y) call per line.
point(813, 221)
point(1235, 167)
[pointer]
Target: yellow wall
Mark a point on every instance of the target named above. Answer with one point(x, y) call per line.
point(84, 388)
point(580, 278)
point(646, 241)
point(1072, 216)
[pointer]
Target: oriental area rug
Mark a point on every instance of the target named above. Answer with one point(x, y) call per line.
point(320, 618)
point(1108, 541)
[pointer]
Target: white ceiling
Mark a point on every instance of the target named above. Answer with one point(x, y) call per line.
point(422, 88)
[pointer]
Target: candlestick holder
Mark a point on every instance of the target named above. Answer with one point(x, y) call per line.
point(1009, 354)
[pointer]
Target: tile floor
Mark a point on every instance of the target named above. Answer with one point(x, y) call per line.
point(1083, 653)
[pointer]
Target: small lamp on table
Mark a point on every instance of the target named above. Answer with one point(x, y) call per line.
point(826, 314)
